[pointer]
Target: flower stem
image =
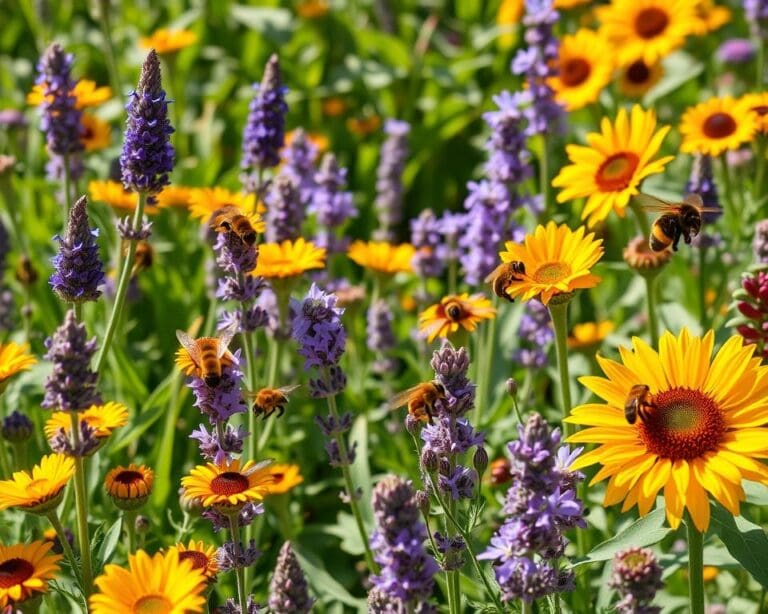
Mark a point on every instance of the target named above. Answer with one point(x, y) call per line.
point(234, 525)
point(733, 216)
point(106, 32)
point(653, 316)
point(67, 188)
point(53, 517)
point(20, 454)
point(122, 286)
point(695, 567)
point(81, 503)
point(344, 455)
point(129, 522)
point(558, 311)
point(702, 288)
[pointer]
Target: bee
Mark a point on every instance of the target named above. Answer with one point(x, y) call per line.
point(637, 404)
point(269, 400)
point(420, 399)
point(503, 275)
point(230, 219)
point(208, 354)
point(676, 220)
point(144, 256)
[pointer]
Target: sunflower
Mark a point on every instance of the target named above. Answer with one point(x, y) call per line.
point(202, 555)
point(129, 487)
point(41, 490)
point(13, 360)
point(86, 94)
point(758, 103)
point(584, 68)
point(637, 78)
point(610, 170)
point(205, 201)
point(647, 29)
point(453, 313)
point(557, 260)
point(312, 9)
point(103, 418)
point(25, 569)
point(161, 583)
point(174, 196)
point(382, 257)
point(227, 485)
point(288, 259)
point(703, 433)
point(717, 125)
point(96, 132)
point(709, 17)
point(113, 193)
point(285, 478)
point(589, 334)
point(165, 41)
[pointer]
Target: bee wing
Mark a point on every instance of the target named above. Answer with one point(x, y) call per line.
point(260, 465)
point(189, 344)
point(653, 203)
point(225, 338)
point(401, 398)
point(496, 272)
point(288, 389)
point(694, 200)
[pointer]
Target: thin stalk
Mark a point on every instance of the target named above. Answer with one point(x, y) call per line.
point(559, 314)
point(485, 360)
point(53, 517)
point(234, 525)
point(453, 266)
point(81, 504)
point(760, 64)
point(526, 607)
point(4, 468)
point(106, 32)
point(20, 454)
point(702, 288)
point(129, 522)
point(67, 188)
point(653, 317)
point(695, 568)
point(544, 173)
point(733, 215)
point(344, 455)
point(122, 286)
point(757, 184)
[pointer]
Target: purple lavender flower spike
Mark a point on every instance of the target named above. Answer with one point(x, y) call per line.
point(72, 385)
point(318, 330)
point(535, 334)
point(285, 211)
point(77, 267)
point(636, 577)
point(299, 166)
point(265, 128)
point(288, 590)
point(381, 337)
point(245, 516)
point(330, 203)
point(12, 119)
point(427, 238)
point(407, 571)
point(218, 449)
point(756, 12)
point(230, 558)
point(736, 51)
point(147, 156)
point(231, 606)
point(509, 160)
point(226, 399)
point(389, 179)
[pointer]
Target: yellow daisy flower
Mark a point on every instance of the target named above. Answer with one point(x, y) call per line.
point(508, 15)
point(455, 312)
point(382, 256)
point(569, 4)
point(174, 196)
point(288, 259)
point(584, 68)
point(638, 77)
point(165, 41)
point(557, 260)
point(589, 334)
point(96, 132)
point(709, 17)
point(25, 569)
point(285, 477)
point(312, 9)
point(610, 170)
point(704, 433)
point(113, 193)
point(363, 126)
point(129, 487)
point(104, 418)
point(758, 103)
point(227, 485)
point(717, 125)
point(204, 201)
point(647, 29)
point(42, 489)
point(13, 360)
point(333, 107)
point(202, 555)
point(320, 141)
point(161, 583)
point(86, 93)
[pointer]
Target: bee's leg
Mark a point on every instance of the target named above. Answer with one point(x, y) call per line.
point(280, 411)
point(267, 414)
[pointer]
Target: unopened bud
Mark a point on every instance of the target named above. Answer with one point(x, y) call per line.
point(480, 460)
point(141, 524)
point(511, 386)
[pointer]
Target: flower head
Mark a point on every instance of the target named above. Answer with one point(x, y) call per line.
point(26, 569)
point(113, 193)
point(636, 577)
point(330, 202)
point(637, 78)
point(165, 41)
point(288, 259)
point(228, 485)
point(16, 427)
point(709, 17)
point(557, 260)
point(389, 178)
point(159, 583)
point(14, 359)
point(39, 490)
point(96, 133)
point(703, 433)
point(202, 555)
point(147, 156)
point(129, 487)
point(284, 478)
point(589, 335)
point(453, 313)
point(60, 116)
point(736, 51)
point(203, 202)
point(758, 103)
point(718, 125)
point(610, 170)
point(86, 93)
point(382, 257)
point(102, 418)
point(317, 328)
point(288, 590)
point(286, 210)
point(584, 68)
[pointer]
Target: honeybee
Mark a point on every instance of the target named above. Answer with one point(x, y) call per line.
point(144, 256)
point(269, 400)
point(676, 220)
point(208, 354)
point(638, 402)
point(503, 275)
point(230, 219)
point(420, 399)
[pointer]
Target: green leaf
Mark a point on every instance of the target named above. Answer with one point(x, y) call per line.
point(756, 493)
point(646, 531)
point(110, 541)
point(361, 469)
point(322, 583)
point(274, 24)
point(745, 540)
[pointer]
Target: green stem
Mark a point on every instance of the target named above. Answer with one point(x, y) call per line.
point(234, 525)
point(67, 188)
point(526, 607)
point(106, 32)
point(734, 217)
point(81, 503)
point(702, 288)
point(4, 468)
point(760, 64)
point(129, 522)
point(20, 453)
point(53, 517)
point(558, 311)
point(485, 361)
point(344, 456)
point(122, 286)
point(544, 174)
point(453, 266)
point(695, 567)
point(653, 316)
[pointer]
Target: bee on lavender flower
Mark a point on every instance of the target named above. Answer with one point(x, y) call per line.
point(208, 354)
point(229, 218)
point(267, 401)
point(420, 399)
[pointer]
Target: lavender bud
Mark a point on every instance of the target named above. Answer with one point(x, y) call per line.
point(289, 592)
point(480, 460)
point(127, 233)
point(389, 179)
point(17, 428)
point(636, 576)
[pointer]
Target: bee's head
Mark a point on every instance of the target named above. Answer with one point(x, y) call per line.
point(212, 380)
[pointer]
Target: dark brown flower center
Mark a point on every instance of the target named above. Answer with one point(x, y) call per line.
point(651, 22)
point(760, 109)
point(277, 478)
point(199, 560)
point(684, 424)
point(454, 311)
point(616, 172)
point(574, 72)
point(129, 477)
point(229, 483)
point(638, 73)
point(15, 571)
point(719, 125)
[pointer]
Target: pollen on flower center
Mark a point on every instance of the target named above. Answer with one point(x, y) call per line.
point(651, 22)
point(684, 424)
point(719, 125)
point(574, 72)
point(229, 483)
point(616, 171)
point(638, 72)
point(153, 604)
point(552, 272)
point(199, 560)
point(15, 571)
